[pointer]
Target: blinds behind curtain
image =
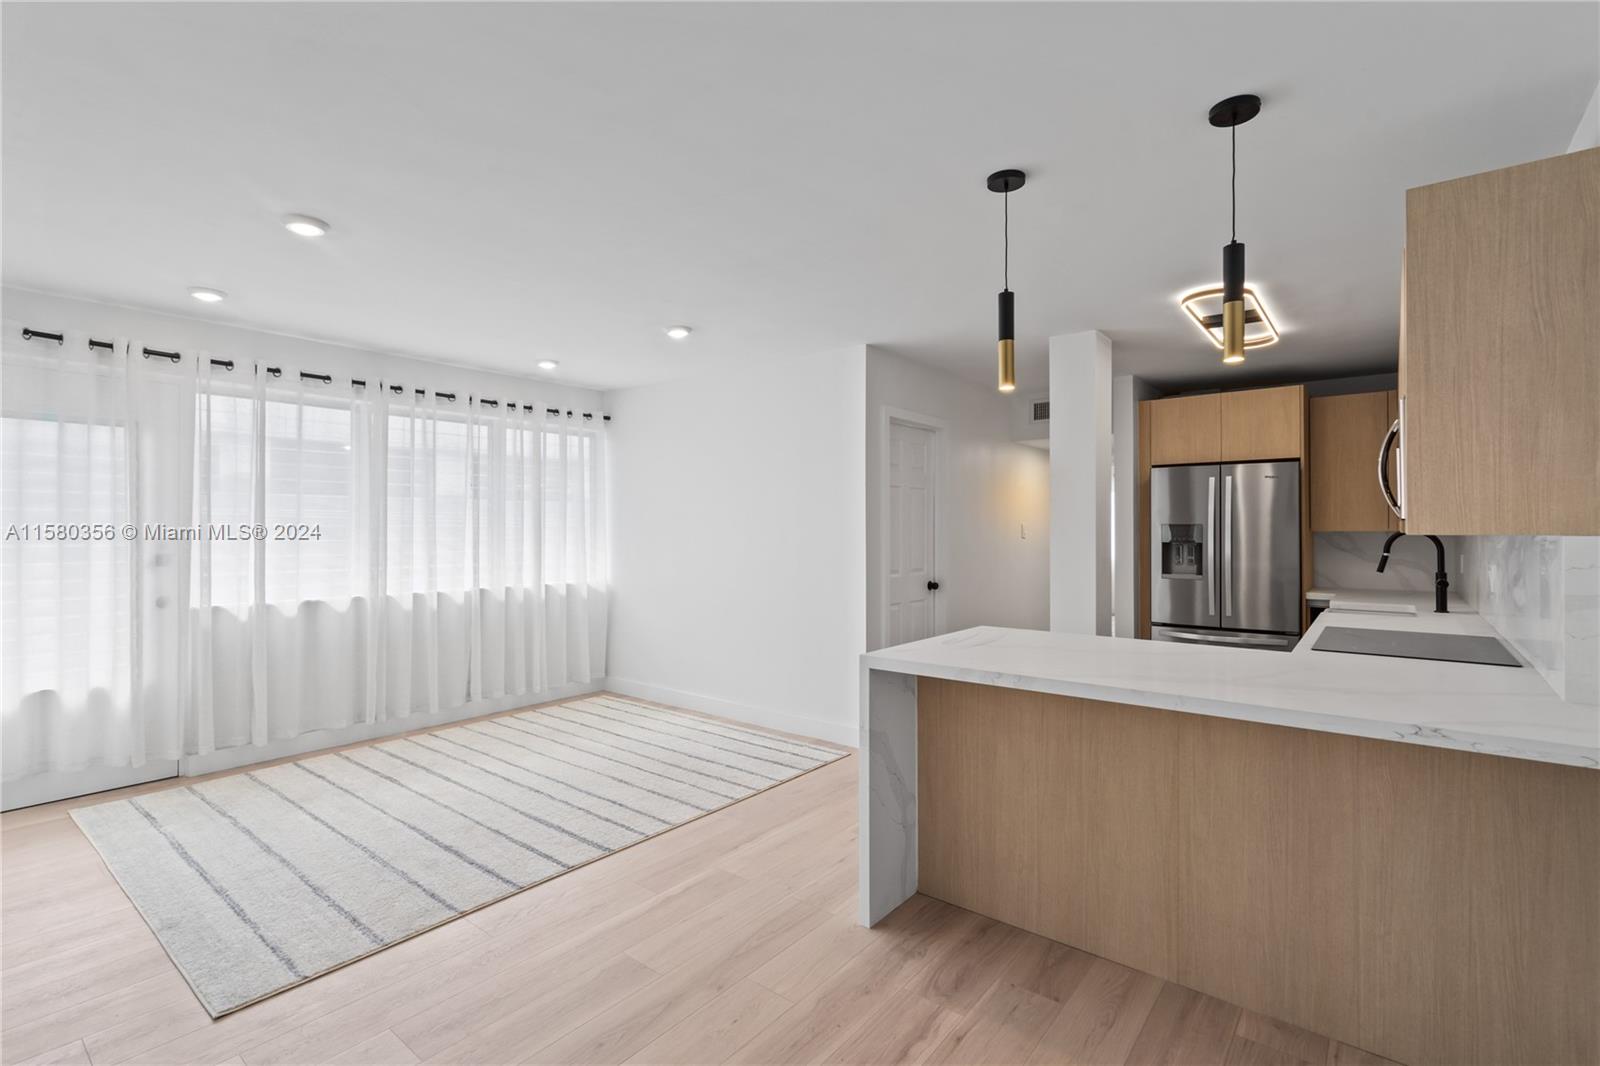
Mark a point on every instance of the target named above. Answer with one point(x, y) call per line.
point(420, 556)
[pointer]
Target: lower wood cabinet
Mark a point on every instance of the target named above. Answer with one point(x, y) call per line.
point(1433, 906)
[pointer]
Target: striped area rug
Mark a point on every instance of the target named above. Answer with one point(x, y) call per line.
point(260, 880)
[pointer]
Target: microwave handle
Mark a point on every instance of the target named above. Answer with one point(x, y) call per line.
point(1383, 469)
point(1211, 547)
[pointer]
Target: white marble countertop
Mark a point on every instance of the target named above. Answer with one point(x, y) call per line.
point(1492, 709)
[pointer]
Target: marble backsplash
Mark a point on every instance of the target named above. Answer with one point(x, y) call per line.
point(1350, 561)
point(1542, 594)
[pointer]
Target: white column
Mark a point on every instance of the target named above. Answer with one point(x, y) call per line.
point(1080, 483)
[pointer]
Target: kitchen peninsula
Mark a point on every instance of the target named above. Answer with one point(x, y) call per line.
point(1402, 854)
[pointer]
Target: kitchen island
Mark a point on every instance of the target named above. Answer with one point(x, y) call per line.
point(1401, 854)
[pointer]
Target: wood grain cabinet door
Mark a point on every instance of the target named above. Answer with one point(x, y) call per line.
point(1186, 429)
point(1262, 424)
point(1345, 434)
point(1500, 375)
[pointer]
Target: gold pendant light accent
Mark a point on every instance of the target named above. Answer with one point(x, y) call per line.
point(1008, 365)
point(1233, 331)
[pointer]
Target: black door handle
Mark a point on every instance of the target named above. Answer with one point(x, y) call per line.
point(933, 586)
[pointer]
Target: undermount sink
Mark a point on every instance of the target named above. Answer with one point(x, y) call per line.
point(1442, 647)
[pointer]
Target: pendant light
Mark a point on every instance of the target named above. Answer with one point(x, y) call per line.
point(1006, 182)
point(1230, 114)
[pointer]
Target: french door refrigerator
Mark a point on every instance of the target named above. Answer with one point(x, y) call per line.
point(1225, 554)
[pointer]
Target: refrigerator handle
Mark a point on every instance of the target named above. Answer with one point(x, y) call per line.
point(1211, 546)
point(1227, 546)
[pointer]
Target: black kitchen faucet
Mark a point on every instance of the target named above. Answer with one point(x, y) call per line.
point(1441, 580)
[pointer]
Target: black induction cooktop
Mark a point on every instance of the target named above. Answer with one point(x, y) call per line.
point(1442, 647)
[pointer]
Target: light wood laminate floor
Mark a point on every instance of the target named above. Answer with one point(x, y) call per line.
point(730, 939)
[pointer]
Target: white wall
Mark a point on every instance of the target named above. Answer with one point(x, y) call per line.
point(1080, 483)
point(173, 333)
point(738, 542)
point(993, 536)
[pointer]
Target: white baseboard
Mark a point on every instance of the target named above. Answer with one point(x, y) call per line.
point(842, 733)
point(46, 788)
point(233, 758)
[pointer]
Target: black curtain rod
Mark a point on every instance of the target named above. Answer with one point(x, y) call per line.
point(29, 334)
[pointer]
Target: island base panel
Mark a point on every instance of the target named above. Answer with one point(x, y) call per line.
point(1430, 905)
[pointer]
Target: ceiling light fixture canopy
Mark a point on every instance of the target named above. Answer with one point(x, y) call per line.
point(207, 296)
point(677, 333)
point(1006, 182)
point(1230, 114)
point(305, 225)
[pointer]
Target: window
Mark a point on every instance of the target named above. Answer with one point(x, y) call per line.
point(67, 599)
point(428, 499)
point(309, 500)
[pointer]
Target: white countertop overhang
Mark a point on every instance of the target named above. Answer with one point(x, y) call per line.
point(1495, 710)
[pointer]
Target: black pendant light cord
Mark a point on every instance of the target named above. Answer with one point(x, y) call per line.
point(1006, 256)
point(1233, 192)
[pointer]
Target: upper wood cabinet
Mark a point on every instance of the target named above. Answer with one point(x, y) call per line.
point(1186, 429)
point(1345, 432)
point(1500, 351)
point(1226, 427)
point(1263, 424)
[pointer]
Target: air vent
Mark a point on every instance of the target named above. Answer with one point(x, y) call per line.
point(1041, 410)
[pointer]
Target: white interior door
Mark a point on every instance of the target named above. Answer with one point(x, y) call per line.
point(908, 599)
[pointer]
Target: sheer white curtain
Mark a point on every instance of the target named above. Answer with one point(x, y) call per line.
point(76, 606)
point(541, 550)
point(346, 553)
point(413, 552)
point(281, 581)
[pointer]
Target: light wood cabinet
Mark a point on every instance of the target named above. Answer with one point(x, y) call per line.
point(1186, 429)
point(1345, 432)
point(1263, 424)
point(1227, 427)
point(1500, 351)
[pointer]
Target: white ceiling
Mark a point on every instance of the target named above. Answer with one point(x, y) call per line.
point(510, 182)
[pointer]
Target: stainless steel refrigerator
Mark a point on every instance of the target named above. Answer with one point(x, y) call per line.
point(1225, 554)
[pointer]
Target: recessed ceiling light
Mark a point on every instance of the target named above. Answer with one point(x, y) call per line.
point(547, 364)
point(677, 333)
point(305, 225)
point(207, 296)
